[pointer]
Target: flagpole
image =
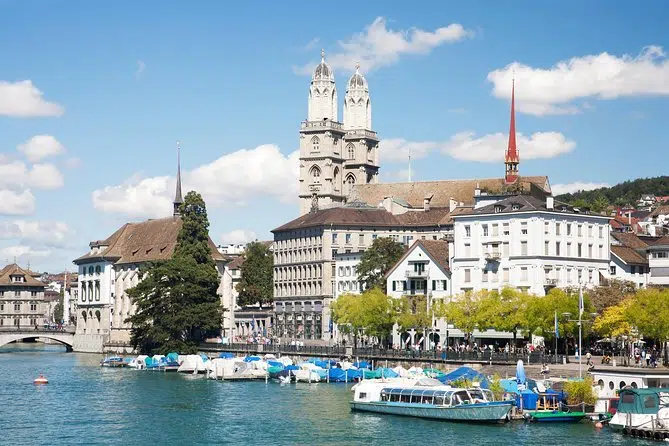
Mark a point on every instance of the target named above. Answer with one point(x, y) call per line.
point(556, 337)
point(580, 316)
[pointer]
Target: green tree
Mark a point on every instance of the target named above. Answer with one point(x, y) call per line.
point(649, 313)
point(610, 294)
point(371, 313)
point(58, 309)
point(464, 311)
point(177, 301)
point(255, 284)
point(504, 311)
point(613, 320)
point(377, 260)
point(412, 313)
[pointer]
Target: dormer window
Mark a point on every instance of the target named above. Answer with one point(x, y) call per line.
point(515, 207)
point(18, 279)
point(498, 209)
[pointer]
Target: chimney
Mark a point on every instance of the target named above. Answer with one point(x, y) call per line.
point(452, 204)
point(426, 202)
point(477, 191)
point(549, 202)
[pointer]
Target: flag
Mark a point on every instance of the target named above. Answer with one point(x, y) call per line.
point(580, 302)
point(557, 332)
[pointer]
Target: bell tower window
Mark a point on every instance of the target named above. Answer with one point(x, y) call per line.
point(350, 151)
point(315, 144)
point(315, 173)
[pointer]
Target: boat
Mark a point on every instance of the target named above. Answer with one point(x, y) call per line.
point(429, 398)
point(41, 380)
point(549, 409)
point(113, 361)
point(609, 381)
point(642, 410)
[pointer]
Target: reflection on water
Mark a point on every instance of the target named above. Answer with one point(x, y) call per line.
point(86, 404)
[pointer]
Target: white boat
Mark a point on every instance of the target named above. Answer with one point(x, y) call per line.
point(609, 381)
point(642, 409)
point(429, 398)
point(192, 364)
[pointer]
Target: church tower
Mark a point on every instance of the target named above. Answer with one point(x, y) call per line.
point(511, 158)
point(178, 199)
point(321, 138)
point(361, 144)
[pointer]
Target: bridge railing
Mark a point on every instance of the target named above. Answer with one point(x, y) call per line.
point(64, 330)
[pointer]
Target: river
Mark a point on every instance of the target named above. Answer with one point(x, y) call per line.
point(86, 404)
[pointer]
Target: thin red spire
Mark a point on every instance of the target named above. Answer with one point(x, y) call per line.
point(511, 158)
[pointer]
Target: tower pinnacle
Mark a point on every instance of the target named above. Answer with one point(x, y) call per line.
point(511, 158)
point(178, 199)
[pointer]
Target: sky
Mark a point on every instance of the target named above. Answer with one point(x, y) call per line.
point(95, 95)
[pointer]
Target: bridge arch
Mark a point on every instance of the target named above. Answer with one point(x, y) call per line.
point(64, 338)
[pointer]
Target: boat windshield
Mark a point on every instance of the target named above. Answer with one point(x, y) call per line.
point(416, 396)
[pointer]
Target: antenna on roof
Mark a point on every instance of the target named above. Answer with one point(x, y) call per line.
point(409, 164)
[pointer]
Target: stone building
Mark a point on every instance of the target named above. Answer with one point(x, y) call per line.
point(22, 302)
point(111, 267)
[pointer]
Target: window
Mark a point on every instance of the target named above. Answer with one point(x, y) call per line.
point(361, 239)
point(547, 228)
point(557, 248)
point(315, 142)
point(394, 285)
point(546, 248)
point(612, 270)
point(468, 250)
point(468, 275)
point(505, 229)
point(505, 275)
point(589, 230)
point(601, 231)
point(523, 248)
point(568, 228)
point(334, 238)
point(590, 251)
point(33, 307)
point(515, 207)
point(633, 269)
point(495, 229)
point(468, 231)
point(90, 270)
point(523, 273)
point(17, 307)
point(568, 249)
point(374, 236)
point(601, 252)
point(579, 251)
point(523, 228)
point(334, 253)
point(557, 228)
point(33, 293)
point(505, 249)
point(17, 293)
point(485, 276)
point(348, 239)
point(350, 149)
point(98, 269)
point(498, 209)
point(484, 228)
point(315, 173)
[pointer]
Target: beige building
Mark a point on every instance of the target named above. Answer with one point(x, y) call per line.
point(111, 267)
point(22, 302)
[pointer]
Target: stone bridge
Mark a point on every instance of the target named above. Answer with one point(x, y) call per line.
point(65, 337)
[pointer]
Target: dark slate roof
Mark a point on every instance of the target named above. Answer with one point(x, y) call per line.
point(142, 242)
point(525, 203)
point(629, 255)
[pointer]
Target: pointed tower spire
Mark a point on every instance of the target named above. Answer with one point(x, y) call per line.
point(511, 159)
point(178, 199)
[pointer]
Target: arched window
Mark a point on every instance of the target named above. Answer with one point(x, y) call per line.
point(315, 144)
point(90, 270)
point(97, 269)
point(349, 182)
point(315, 173)
point(350, 149)
point(335, 178)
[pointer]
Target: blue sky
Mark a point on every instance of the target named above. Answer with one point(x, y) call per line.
point(94, 96)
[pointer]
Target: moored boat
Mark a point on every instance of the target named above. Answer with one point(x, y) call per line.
point(551, 410)
point(429, 398)
point(642, 409)
point(113, 361)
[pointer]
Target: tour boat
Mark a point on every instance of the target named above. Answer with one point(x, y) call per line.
point(41, 380)
point(429, 398)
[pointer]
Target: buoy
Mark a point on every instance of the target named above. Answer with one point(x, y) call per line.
point(41, 380)
point(599, 425)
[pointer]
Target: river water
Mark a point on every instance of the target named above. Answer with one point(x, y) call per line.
point(86, 404)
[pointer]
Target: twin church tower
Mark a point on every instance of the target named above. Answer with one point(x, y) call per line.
point(336, 155)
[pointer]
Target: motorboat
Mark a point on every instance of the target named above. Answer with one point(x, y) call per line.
point(429, 398)
point(113, 361)
point(642, 410)
point(41, 380)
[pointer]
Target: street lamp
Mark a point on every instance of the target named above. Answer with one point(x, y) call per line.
point(579, 321)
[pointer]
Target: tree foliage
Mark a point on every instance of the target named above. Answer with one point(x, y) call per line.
point(372, 312)
point(620, 194)
point(255, 284)
point(610, 294)
point(413, 312)
point(613, 320)
point(377, 260)
point(649, 313)
point(579, 392)
point(58, 310)
point(177, 305)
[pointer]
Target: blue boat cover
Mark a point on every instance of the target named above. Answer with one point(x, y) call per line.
point(362, 365)
point(527, 400)
point(252, 358)
point(292, 367)
point(204, 357)
point(465, 373)
point(341, 375)
point(272, 363)
point(173, 357)
point(226, 355)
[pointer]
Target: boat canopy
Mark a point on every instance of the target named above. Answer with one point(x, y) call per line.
point(465, 373)
point(640, 401)
point(408, 391)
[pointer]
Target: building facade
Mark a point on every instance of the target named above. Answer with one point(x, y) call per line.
point(346, 277)
point(22, 303)
point(658, 261)
point(335, 155)
point(629, 259)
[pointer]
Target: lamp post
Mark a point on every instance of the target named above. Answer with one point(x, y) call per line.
point(579, 321)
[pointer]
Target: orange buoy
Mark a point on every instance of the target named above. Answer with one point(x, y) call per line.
point(599, 425)
point(41, 380)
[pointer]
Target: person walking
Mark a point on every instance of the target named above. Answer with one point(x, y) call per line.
point(588, 357)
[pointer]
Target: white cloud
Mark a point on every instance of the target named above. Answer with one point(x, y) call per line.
point(230, 180)
point(39, 176)
point(21, 253)
point(41, 146)
point(49, 232)
point(488, 148)
point(22, 99)
point(16, 203)
point(541, 91)
point(73, 163)
point(378, 46)
point(570, 188)
point(311, 44)
point(238, 236)
point(141, 66)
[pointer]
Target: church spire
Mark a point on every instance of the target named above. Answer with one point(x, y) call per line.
point(178, 199)
point(511, 159)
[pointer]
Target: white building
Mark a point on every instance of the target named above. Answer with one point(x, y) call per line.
point(346, 278)
point(658, 261)
point(629, 259)
point(529, 243)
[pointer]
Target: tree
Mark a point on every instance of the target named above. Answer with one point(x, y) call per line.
point(504, 311)
point(649, 313)
point(463, 311)
point(613, 320)
point(412, 313)
point(177, 301)
point(377, 260)
point(58, 309)
point(255, 285)
point(371, 313)
point(611, 294)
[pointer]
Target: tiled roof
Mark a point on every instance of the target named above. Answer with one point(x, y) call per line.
point(15, 270)
point(629, 239)
point(236, 262)
point(142, 242)
point(660, 210)
point(662, 241)
point(442, 191)
point(436, 249)
point(629, 255)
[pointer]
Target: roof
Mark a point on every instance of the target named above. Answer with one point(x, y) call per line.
point(369, 217)
point(142, 242)
point(662, 241)
point(15, 270)
point(437, 250)
point(235, 262)
point(629, 255)
point(460, 190)
point(660, 210)
point(629, 239)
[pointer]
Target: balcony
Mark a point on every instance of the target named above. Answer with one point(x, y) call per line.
point(493, 256)
point(412, 274)
point(550, 282)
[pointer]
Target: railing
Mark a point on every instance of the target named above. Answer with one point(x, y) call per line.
point(493, 255)
point(486, 356)
point(321, 124)
point(41, 329)
point(413, 273)
point(550, 282)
